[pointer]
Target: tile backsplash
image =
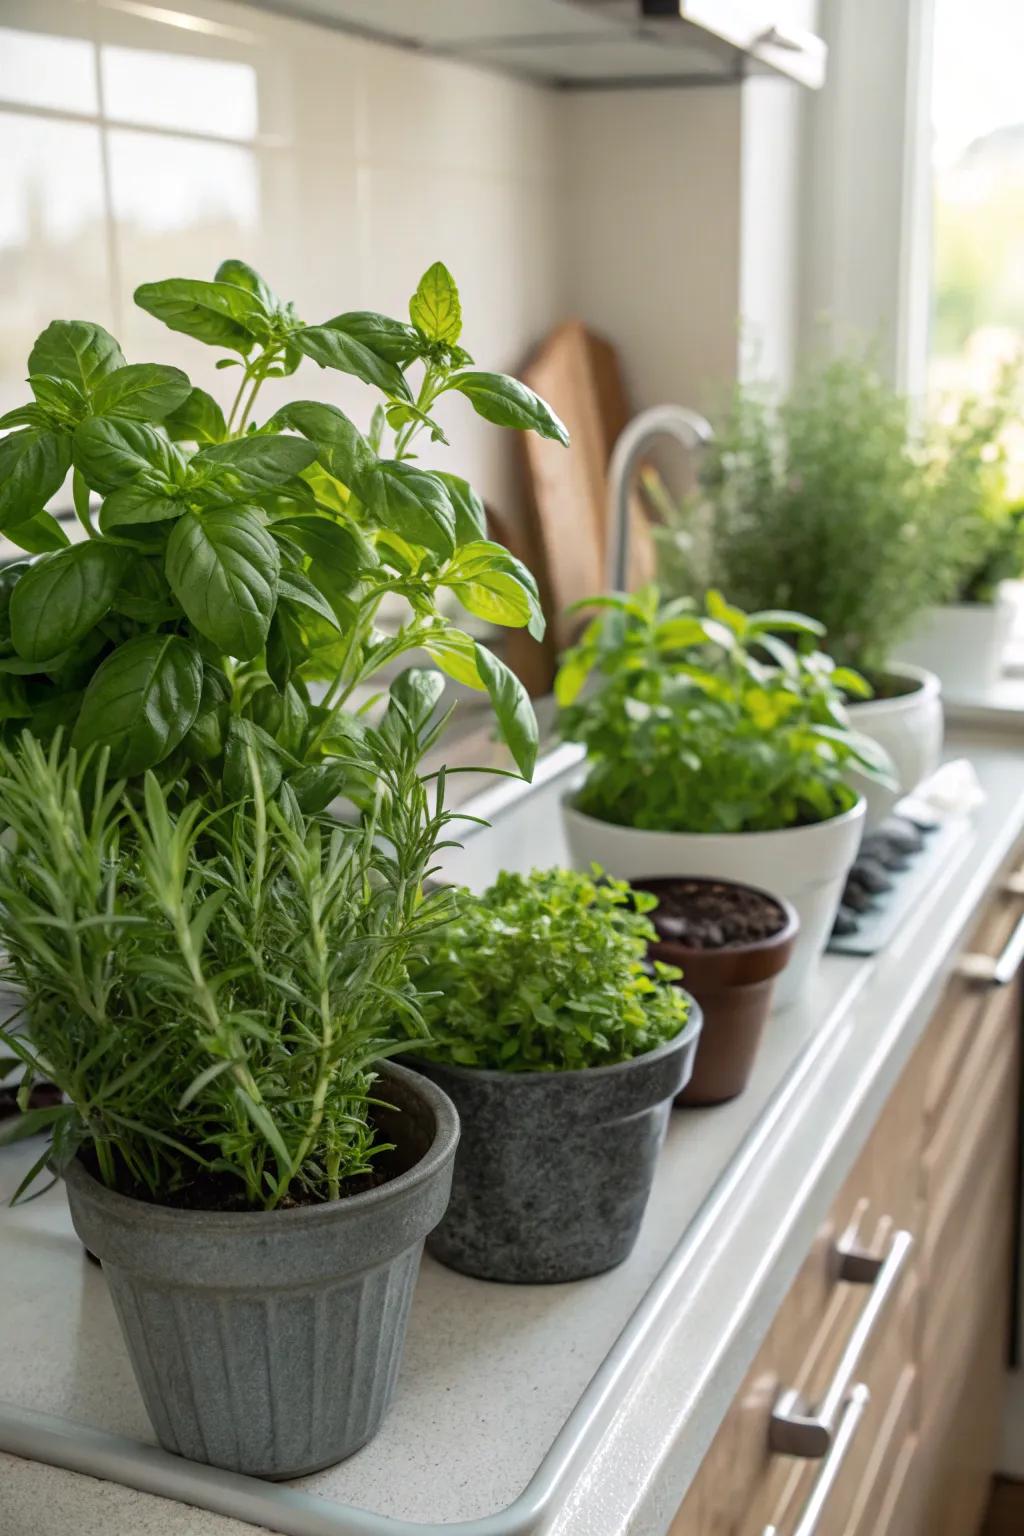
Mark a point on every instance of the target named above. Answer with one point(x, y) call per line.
point(144, 141)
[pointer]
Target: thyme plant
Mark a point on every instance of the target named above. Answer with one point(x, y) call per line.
point(709, 721)
point(821, 502)
point(545, 973)
point(208, 988)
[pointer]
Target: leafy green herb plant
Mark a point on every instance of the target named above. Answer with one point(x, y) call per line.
point(545, 973)
point(209, 989)
point(823, 502)
point(223, 603)
point(709, 721)
point(968, 464)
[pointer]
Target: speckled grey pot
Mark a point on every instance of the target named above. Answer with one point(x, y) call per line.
point(554, 1169)
point(269, 1342)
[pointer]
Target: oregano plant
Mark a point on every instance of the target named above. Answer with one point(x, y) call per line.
point(221, 608)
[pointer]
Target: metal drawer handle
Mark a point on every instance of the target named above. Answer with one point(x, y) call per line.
point(807, 1524)
point(998, 972)
point(794, 1429)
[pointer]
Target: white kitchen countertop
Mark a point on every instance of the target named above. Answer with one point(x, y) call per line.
point(492, 1373)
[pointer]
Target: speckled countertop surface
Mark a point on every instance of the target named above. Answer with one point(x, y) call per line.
point(492, 1373)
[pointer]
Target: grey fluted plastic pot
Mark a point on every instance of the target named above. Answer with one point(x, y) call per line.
point(554, 1169)
point(269, 1342)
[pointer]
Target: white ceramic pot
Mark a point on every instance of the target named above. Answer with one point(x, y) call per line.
point(807, 865)
point(963, 643)
point(910, 730)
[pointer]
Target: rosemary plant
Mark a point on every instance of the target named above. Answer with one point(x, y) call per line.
point(206, 987)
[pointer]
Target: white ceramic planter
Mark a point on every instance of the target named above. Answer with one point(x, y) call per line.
point(909, 728)
point(807, 865)
point(963, 643)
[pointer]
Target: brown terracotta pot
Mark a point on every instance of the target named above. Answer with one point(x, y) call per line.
point(733, 986)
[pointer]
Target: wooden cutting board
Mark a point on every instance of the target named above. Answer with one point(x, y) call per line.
point(579, 374)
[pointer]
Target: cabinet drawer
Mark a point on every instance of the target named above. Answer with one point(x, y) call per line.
point(742, 1480)
point(959, 1298)
point(953, 1031)
point(959, 1435)
point(981, 1131)
point(898, 1514)
point(887, 1466)
point(889, 1375)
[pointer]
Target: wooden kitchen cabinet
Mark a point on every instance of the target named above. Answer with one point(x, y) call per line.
point(910, 1449)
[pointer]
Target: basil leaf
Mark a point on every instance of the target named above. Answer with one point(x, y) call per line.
point(39, 534)
point(494, 585)
point(416, 692)
point(198, 419)
point(470, 514)
point(243, 276)
point(144, 594)
point(141, 701)
point(338, 555)
point(259, 462)
point(62, 597)
point(455, 653)
point(10, 575)
point(219, 314)
point(414, 504)
point(511, 704)
point(223, 569)
point(137, 504)
point(316, 785)
point(141, 392)
point(18, 668)
point(334, 348)
point(495, 597)
point(14, 704)
point(33, 464)
point(435, 308)
point(296, 587)
point(205, 738)
point(111, 453)
point(390, 339)
point(291, 732)
point(508, 403)
point(245, 738)
point(77, 350)
point(24, 416)
point(283, 715)
point(340, 447)
point(60, 398)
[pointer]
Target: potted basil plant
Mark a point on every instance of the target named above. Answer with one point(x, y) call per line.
point(223, 600)
point(716, 748)
point(208, 991)
point(563, 1054)
point(823, 501)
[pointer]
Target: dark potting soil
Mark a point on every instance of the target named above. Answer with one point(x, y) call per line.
point(887, 685)
point(224, 1192)
point(705, 915)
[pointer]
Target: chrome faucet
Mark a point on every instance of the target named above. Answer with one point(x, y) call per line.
point(686, 427)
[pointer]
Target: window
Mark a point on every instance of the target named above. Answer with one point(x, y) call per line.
point(121, 160)
point(978, 191)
